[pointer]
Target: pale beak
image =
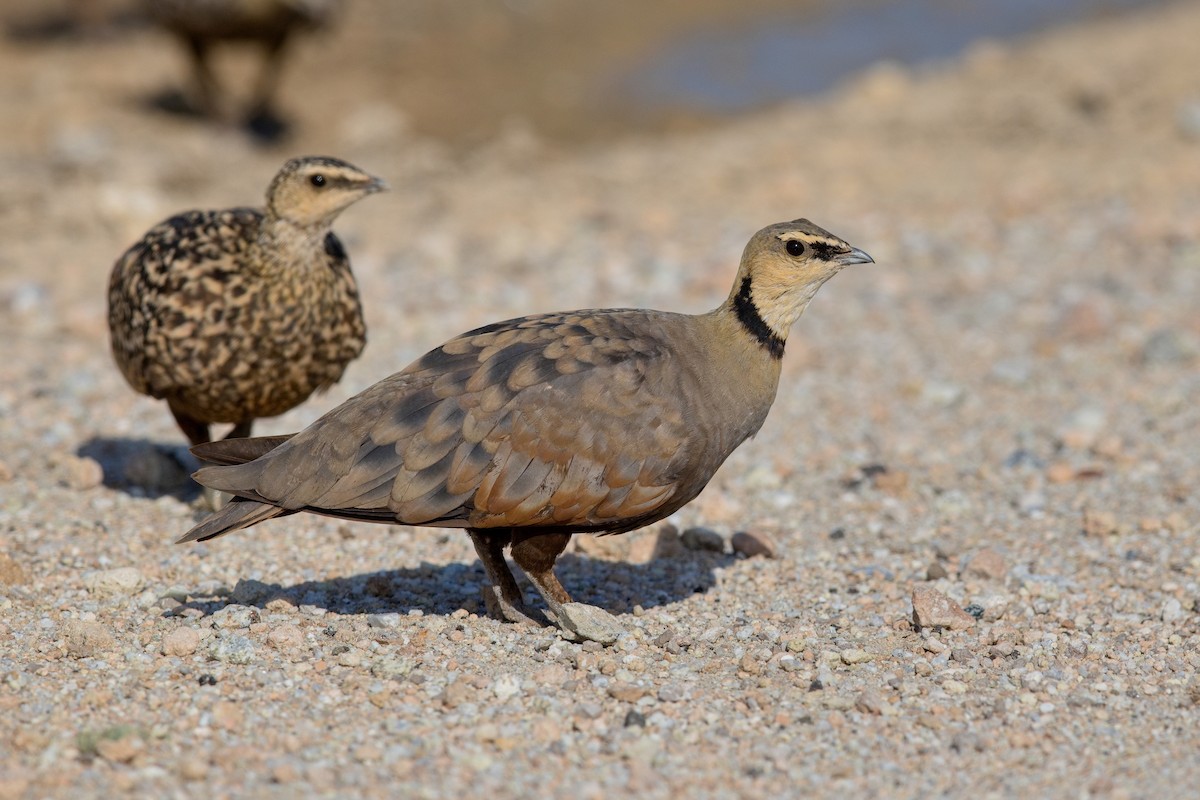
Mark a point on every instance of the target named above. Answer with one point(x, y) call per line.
point(855, 256)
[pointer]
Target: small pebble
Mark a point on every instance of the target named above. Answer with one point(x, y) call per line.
point(1167, 346)
point(987, 564)
point(83, 473)
point(11, 573)
point(232, 649)
point(285, 637)
point(181, 641)
point(506, 686)
point(1099, 523)
point(86, 639)
point(193, 768)
point(227, 715)
point(856, 656)
point(626, 692)
point(234, 617)
point(671, 693)
point(703, 539)
point(1060, 472)
point(122, 580)
point(869, 703)
point(751, 544)
point(122, 750)
point(1172, 610)
point(932, 609)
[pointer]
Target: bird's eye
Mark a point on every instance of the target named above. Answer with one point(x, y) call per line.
point(317, 180)
point(794, 247)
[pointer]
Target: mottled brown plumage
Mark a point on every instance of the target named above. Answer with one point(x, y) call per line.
point(242, 313)
point(270, 23)
point(528, 431)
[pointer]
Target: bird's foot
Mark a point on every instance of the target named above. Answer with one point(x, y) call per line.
point(498, 607)
point(266, 125)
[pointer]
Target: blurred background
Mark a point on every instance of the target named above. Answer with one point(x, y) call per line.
point(464, 72)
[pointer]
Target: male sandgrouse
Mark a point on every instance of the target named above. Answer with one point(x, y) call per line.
point(528, 431)
point(242, 313)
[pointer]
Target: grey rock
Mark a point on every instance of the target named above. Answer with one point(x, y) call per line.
point(388, 621)
point(122, 580)
point(703, 539)
point(1167, 346)
point(232, 649)
point(392, 667)
point(671, 693)
point(585, 622)
point(235, 616)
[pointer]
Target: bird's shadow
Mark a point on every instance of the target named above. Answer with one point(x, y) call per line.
point(442, 589)
point(144, 468)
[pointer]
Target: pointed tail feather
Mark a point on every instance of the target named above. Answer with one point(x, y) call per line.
point(239, 513)
point(237, 451)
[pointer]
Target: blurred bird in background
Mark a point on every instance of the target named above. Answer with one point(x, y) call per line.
point(270, 24)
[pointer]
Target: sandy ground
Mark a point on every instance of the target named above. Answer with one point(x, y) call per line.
point(1002, 410)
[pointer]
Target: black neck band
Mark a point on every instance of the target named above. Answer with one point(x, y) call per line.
point(748, 315)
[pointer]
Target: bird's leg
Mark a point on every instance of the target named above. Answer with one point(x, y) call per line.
point(262, 120)
point(206, 82)
point(241, 430)
point(536, 553)
point(196, 431)
point(490, 547)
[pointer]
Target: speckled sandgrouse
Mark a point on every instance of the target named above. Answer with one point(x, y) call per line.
point(270, 23)
point(242, 313)
point(528, 431)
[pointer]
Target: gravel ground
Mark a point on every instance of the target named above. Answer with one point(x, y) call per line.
point(997, 423)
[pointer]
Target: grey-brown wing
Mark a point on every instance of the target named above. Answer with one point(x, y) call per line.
point(560, 420)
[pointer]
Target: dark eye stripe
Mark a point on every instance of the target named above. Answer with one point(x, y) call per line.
point(823, 250)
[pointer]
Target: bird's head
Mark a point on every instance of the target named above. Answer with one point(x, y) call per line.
point(311, 191)
point(782, 268)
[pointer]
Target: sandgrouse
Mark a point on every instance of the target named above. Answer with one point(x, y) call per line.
point(528, 431)
point(201, 23)
point(242, 313)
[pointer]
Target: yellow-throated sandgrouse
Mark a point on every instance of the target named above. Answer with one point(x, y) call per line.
point(528, 431)
point(242, 313)
point(270, 23)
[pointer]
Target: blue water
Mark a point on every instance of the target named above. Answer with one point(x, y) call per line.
point(799, 53)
